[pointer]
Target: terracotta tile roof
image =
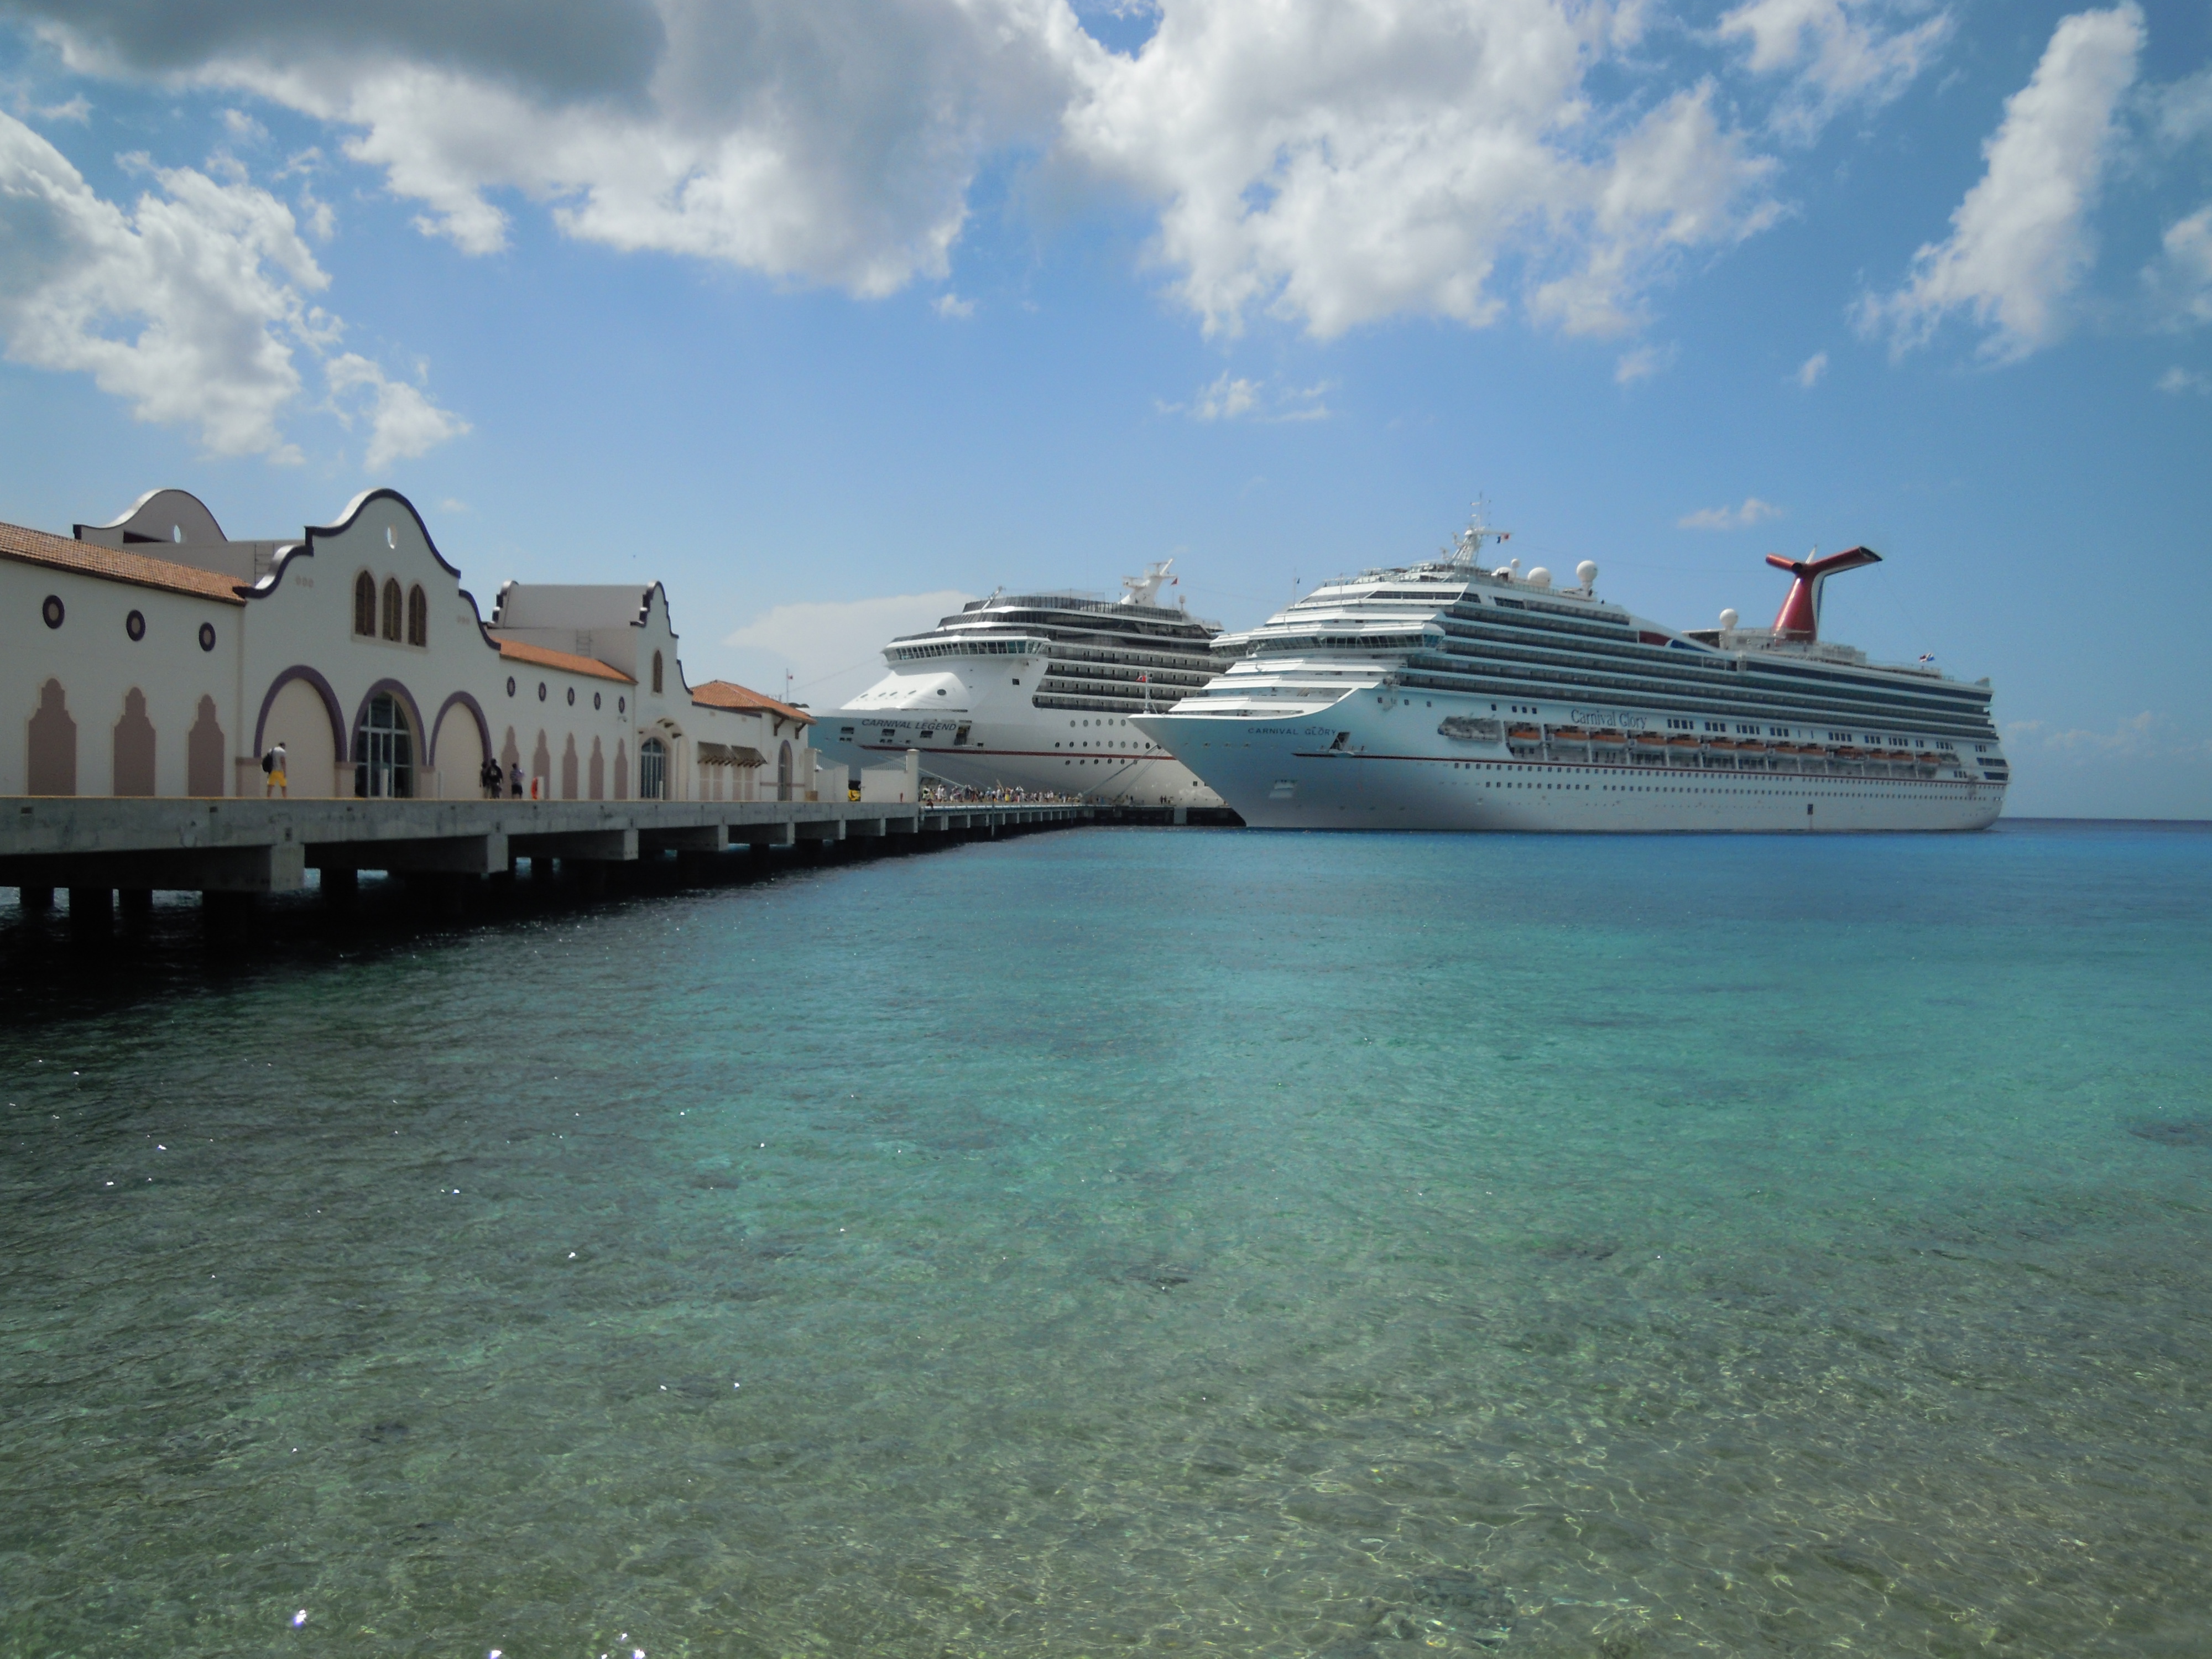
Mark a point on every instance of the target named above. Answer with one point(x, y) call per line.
point(113, 564)
point(516, 651)
point(727, 694)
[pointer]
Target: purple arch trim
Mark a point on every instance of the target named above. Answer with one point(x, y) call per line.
point(340, 744)
point(407, 701)
point(484, 726)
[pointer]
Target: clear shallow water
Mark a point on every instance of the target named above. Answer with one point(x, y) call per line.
point(1144, 1241)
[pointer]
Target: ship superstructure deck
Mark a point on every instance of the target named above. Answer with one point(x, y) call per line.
point(1040, 691)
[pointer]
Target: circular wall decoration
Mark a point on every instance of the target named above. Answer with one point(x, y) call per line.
point(510, 685)
point(207, 636)
point(52, 611)
point(541, 690)
point(622, 705)
point(595, 699)
point(571, 696)
point(135, 625)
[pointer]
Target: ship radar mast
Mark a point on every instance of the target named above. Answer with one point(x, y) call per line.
point(1145, 589)
point(1466, 550)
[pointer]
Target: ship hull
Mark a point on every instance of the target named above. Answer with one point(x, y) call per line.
point(1380, 763)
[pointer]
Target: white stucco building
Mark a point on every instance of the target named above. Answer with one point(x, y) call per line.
point(155, 656)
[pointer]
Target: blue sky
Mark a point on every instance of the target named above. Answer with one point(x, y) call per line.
point(823, 314)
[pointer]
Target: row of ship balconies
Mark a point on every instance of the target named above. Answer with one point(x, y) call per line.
point(1709, 751)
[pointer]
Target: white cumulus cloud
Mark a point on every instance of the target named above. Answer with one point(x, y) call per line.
point(193, 305)
point(1812, 370)
point(188, 307)
point(833, 141)
point(2176, 381)
point(1335, 164)
point(1641, 364)
point(2180, 278)
point(402, 422)
point(1837, 52)
point(2019, 242)
point(1753, 511)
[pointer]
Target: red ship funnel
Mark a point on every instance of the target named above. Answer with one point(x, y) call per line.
point(1800, 616)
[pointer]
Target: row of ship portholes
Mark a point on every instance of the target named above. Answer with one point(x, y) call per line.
point(54, 613)
point(621, 704)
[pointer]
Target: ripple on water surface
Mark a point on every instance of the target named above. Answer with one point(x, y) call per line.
point(1254, 1244)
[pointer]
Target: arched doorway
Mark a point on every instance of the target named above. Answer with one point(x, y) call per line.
point(383, 751)
point(783, 773)
point(652, 771)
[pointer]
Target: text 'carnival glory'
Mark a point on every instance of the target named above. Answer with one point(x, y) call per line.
point(1445, 697)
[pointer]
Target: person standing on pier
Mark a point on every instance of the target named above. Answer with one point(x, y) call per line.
point(514, 778)
point(272, 764)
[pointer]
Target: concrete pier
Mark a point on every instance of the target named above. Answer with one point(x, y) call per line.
point(96, 847)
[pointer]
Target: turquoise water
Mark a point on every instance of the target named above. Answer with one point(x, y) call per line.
point(1125, 1241)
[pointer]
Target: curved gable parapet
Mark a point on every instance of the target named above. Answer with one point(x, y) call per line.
point(171, 515)
point(659, 591)
point(483, 628)
point(354, 509)
point(277, 561)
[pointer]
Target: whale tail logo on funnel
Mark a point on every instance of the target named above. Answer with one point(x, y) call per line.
point(1800, 616)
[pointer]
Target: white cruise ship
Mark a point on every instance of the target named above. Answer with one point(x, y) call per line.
point(1442, 695)
point(1040, 691)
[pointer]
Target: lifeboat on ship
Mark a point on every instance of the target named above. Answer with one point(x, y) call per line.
point(1609, 736)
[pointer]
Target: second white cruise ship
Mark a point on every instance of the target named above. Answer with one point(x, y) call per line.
point(1041, 692)
point(1442, 695)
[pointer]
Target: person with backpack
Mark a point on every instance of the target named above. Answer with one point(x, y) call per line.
point(488, 775)
point(274, 781)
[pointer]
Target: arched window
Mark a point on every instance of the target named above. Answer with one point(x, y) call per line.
point(418, 617)
point(384, 747)
point(783, 773)
point(392, 608)
point(364, 605)
point(652, 771)
point(656, 673)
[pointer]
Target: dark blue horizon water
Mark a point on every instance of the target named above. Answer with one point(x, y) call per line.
point(1123, 1241)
